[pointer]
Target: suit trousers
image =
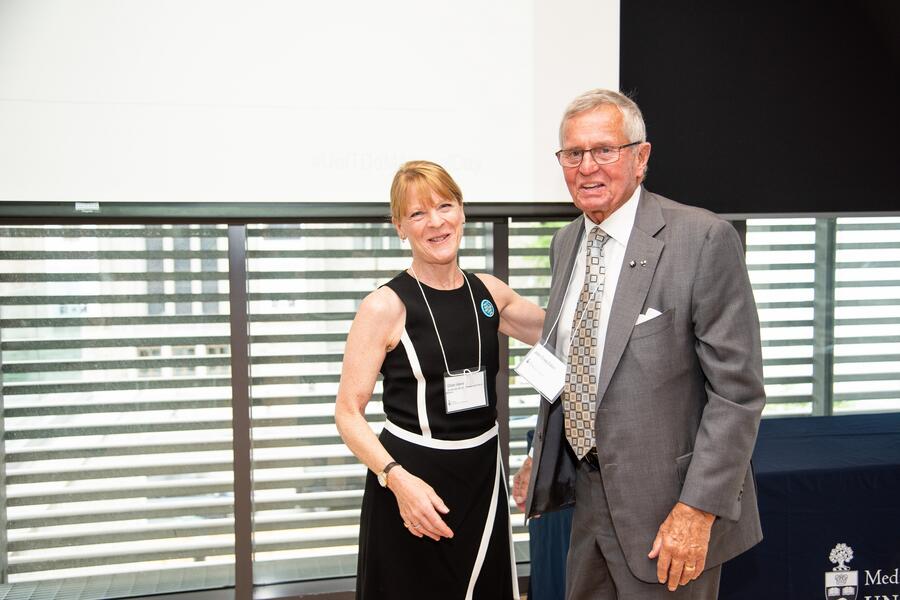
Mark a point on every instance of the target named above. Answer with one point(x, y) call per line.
point(596, 568)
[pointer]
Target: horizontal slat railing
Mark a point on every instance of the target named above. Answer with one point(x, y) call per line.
point(781, 265)
point(117, 392)
point(116, 398)
point(529, 274)
point(867, 315)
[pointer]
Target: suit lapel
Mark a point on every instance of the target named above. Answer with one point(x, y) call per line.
point(553, 484)
point(633, 285)
point(567, 251)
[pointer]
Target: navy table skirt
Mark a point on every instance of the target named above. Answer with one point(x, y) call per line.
point(829, 489)
point(824, 481)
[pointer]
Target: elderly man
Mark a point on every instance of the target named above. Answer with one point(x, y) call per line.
point(653, 319)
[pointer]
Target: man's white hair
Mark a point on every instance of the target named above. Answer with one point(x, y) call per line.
point(632, 119)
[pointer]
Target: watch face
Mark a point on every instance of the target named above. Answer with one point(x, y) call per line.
point(382, 479)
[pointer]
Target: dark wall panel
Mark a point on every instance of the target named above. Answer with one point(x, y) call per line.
point(762, 106)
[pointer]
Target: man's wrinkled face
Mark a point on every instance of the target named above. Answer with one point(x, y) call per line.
point(598, 190)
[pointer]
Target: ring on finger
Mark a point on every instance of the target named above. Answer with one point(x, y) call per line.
point(406, 524)
point(690, 567)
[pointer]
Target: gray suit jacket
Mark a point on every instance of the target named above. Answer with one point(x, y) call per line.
point(679, 396)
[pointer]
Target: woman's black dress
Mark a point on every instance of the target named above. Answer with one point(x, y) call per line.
point(457, 454)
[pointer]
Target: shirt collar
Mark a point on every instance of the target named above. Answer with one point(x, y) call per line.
point(618, 225)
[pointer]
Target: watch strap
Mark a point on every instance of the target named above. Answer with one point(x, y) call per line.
point(383, 474)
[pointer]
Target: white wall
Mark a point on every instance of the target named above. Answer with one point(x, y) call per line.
point(290, 100)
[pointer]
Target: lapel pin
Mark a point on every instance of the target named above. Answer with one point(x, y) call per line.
point(631, 264)
point(643, 263)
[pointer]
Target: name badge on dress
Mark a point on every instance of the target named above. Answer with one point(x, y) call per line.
point(544, 371)
point(465, 391)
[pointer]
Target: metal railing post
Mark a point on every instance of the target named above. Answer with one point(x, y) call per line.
point(501, 271)
point(741, 226)
point(823, 317)
point(240, 407)
point(4, 540)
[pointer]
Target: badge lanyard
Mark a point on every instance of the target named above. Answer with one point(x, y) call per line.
point(543, 368)
point(466, 390)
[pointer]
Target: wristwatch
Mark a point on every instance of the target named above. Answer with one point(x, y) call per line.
point(383, 476)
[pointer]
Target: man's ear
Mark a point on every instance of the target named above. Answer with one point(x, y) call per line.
point(644, 157)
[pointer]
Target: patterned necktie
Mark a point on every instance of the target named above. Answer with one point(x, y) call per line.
point(579, 398)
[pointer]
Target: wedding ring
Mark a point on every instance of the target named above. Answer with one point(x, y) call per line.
point(690, 567)
point(406, 524)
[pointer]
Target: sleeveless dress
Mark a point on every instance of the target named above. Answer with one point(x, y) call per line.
point(457, 454)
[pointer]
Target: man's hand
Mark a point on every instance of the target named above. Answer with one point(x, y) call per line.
point(520, 483)
point(681, 544)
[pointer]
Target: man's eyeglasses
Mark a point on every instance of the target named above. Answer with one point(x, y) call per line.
point(603, 155)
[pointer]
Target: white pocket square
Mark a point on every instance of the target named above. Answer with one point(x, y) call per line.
point(651, 313)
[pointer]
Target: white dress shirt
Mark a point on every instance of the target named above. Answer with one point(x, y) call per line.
point(618, 227)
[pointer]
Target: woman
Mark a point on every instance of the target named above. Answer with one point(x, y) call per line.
point(435, 517)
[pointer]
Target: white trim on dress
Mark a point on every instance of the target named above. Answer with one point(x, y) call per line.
point(430, 442)
point(420, 384)
point(512, 546)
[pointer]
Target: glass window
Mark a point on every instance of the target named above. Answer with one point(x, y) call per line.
point(117, 449)
point(117, 402)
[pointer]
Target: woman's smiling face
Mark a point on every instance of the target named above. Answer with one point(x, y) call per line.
point(433, 225)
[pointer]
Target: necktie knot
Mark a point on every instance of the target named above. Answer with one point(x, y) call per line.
point(597, 238)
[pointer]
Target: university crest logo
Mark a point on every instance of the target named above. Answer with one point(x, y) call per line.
point(842, 583)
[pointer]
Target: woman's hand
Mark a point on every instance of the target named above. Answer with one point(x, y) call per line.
point(420, 506)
